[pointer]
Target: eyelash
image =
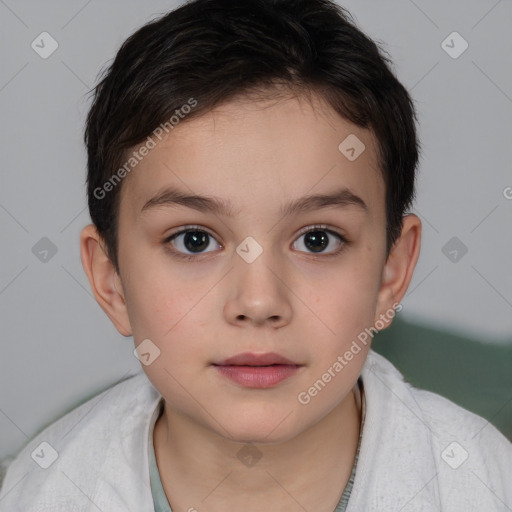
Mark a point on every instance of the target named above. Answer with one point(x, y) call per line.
point(315, 227)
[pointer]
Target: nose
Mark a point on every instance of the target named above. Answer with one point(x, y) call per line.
point(257, 293)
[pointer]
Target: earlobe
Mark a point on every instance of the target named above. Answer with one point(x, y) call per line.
point(102, 278)
point(399, 266)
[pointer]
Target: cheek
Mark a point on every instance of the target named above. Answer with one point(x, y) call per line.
point(156, 299)
point(346, 307)
point(161, 310)
point(175, 315)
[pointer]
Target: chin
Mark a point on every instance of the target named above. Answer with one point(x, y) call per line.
point(274, 429)
point(250, 436)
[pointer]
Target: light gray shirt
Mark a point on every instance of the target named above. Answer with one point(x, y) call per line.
point(419, 452)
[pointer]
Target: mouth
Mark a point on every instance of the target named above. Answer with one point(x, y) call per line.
point(257, 370)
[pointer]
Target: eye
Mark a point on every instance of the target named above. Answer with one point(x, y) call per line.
point(318, 238)
point(193, 239)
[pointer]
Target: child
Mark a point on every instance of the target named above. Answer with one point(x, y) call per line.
point(250, 168)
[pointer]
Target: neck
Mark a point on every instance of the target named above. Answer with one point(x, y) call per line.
point(201, 469)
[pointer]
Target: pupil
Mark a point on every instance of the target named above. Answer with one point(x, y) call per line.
point(316, 240)
point(197, 239)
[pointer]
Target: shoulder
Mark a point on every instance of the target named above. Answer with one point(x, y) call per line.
point(419, 439)
point(442, 416)
point(66, 460)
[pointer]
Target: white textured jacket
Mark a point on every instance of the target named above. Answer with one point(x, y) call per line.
point(419, 452)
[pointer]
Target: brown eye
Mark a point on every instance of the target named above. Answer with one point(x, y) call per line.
point(317, 239)
point(191, 241)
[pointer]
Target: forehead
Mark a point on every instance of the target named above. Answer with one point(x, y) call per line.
point(247, 151)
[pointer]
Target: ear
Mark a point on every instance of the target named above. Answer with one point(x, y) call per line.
point(103, 278)
point(398, 269)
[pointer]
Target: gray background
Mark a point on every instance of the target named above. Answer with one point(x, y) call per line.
point(58, 346)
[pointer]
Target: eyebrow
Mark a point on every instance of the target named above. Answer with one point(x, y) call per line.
point(171, 197)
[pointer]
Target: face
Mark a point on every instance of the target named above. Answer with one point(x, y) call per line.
point(243, 273)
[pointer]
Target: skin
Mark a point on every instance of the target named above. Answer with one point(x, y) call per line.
point(306, 306)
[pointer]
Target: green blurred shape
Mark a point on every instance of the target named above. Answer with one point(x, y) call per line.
point(475, 375)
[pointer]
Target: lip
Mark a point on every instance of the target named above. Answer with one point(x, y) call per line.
point(251, 359)
point(257, 370)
